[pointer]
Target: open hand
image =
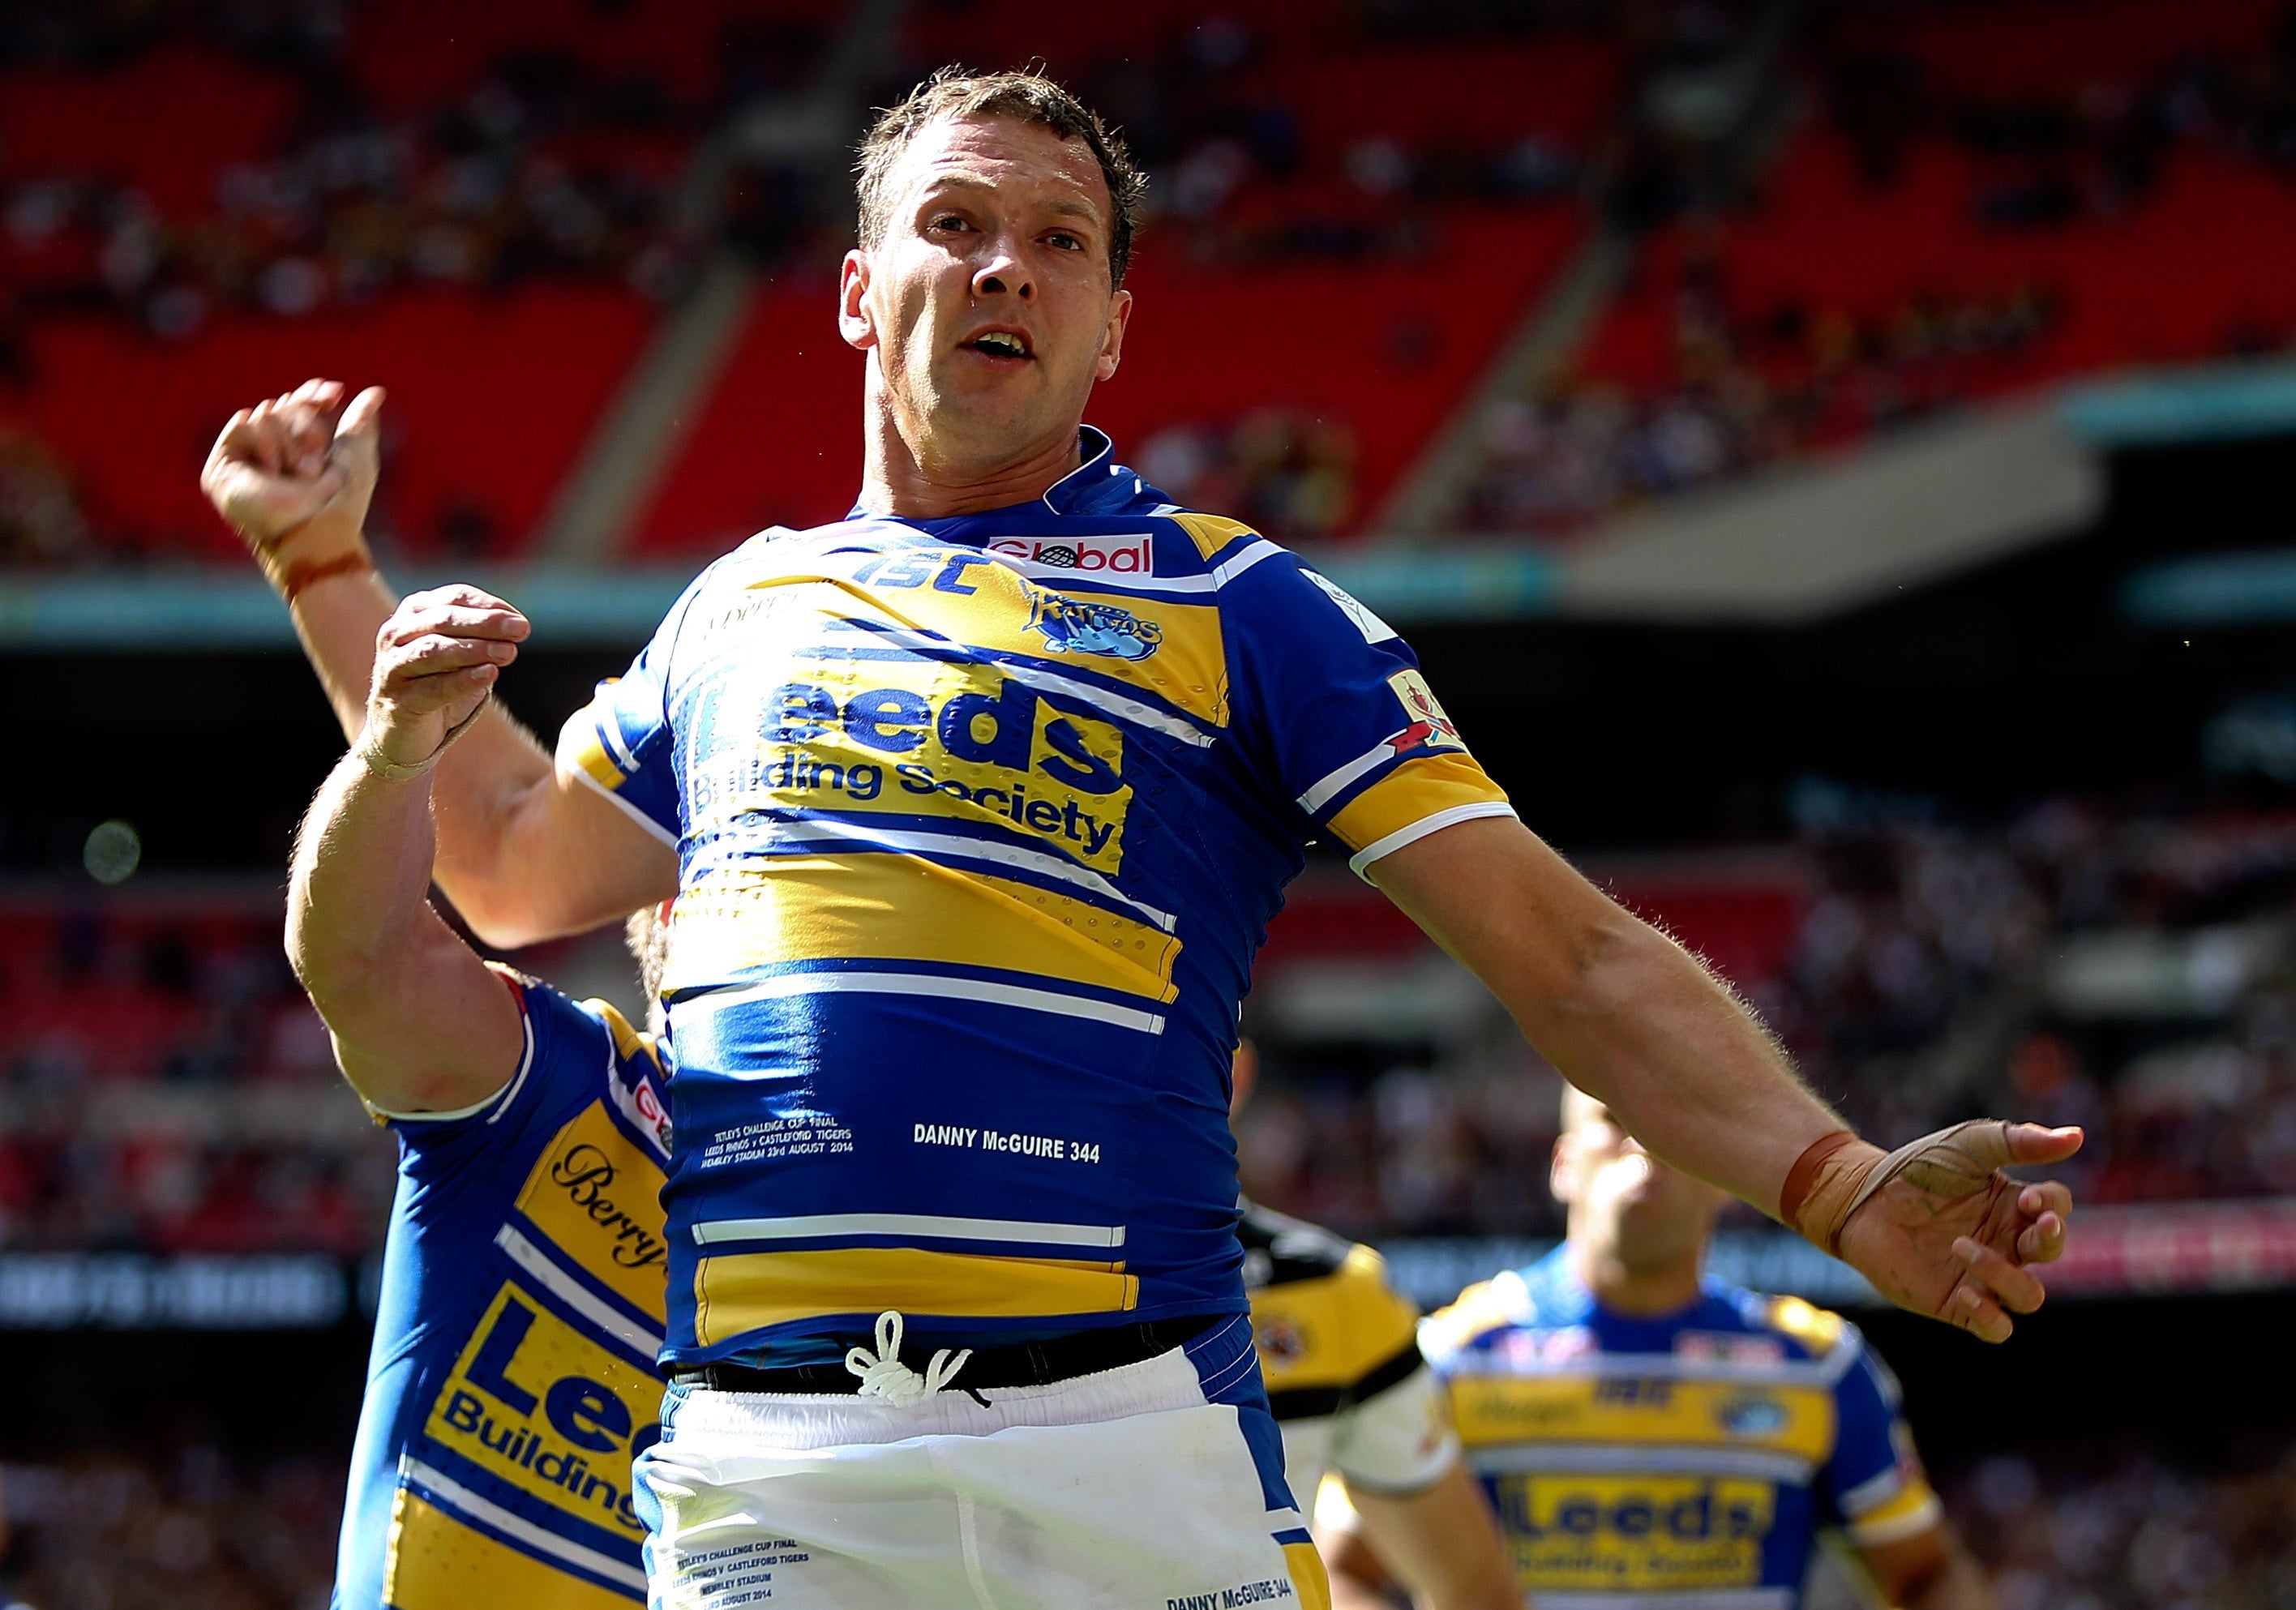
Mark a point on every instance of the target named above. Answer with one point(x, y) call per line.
point(435, 659)
point(1952, 1236)
point(296, 472)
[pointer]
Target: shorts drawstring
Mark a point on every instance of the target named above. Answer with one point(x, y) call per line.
point(884, 1376)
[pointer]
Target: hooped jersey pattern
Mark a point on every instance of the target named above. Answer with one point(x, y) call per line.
point(1338, 1349)
point(979, 823)
point(512, 1378)
point(1677, 1464)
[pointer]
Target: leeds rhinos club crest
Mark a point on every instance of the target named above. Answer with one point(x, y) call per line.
point(1077, 626)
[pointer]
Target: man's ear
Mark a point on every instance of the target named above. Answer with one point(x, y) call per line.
point(1111, 343)
point(854, 322)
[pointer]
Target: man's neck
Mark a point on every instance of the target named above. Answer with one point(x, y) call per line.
point(894, 481)
point(1649, 1293)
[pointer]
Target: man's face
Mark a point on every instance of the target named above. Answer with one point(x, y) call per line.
point(1623, 1202)
point(987, 302)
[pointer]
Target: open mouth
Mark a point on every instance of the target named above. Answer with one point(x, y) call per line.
point(1001, 344)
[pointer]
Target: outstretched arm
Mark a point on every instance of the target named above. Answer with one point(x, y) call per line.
point(1639, 1024)
point(524, 853)
point(420, 1024)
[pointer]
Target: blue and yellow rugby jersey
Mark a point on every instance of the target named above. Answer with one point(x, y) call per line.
point(980, 821)
point(1684, 1462)
point(512, 1376)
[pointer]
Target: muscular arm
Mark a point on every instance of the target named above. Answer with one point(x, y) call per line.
point(1637, 1022)
point(1929, 1571)
point(420, 1023)
point(1440, 1542)
point(1623, 1012)
point(524, 853)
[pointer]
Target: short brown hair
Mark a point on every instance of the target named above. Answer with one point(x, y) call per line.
point(1031, 97)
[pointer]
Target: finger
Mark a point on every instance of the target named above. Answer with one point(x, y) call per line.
point(428, 695)
point(1977, 1314)
point(263, 442)
point(2042, 1241)
point(459, 620)
point(363, 418)
point(461, 592)
point(2031, 1143)
point(2047, 1197)
point(428, 656)
point(2017, 1288)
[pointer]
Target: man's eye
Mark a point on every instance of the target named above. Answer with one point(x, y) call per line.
point(1066, 243)
point(950, 221)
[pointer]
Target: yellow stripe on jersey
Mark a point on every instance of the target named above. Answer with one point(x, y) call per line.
point(899, 907)
point(1309, 1580)
point(1638, 1409)
point(628, 1041)
point(739, 1292)
point(1482, 1308)
point(1574, 1533)
point(1912, 1512)
point(1330, 1331)
point(1212, 532)
point(580, 749)
point(598, 1196)
point(1815, 1328)
point(1412, 793)
point(434, 1562)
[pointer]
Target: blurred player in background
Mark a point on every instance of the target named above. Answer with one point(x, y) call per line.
point(1352, 1395)
point(512, 1376)
point(1652, 1437)
point(982, 838)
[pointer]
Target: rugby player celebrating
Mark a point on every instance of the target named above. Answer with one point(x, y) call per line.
point(972, 852)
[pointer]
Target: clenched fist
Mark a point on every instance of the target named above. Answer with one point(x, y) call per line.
point(436, 660)
point(294, 475)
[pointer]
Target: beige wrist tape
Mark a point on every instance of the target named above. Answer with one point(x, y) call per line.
point(1839, 1173)
point(393, 771)
point(310, 553)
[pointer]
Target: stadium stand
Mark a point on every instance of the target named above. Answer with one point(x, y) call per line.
point(1965, 211)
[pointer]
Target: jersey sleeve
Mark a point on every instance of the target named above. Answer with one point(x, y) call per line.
point(1341, 716)
point(1399, 1438)
point(1875, 1485)
point(619, 742)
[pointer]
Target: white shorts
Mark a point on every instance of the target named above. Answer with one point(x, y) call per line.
point(1157, 1486)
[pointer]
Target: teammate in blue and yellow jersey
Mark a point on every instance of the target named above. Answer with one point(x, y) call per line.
point(512, 1378)
point(1655, 1440)
point(976, 827)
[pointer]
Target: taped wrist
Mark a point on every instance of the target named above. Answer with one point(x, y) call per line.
point(1839, 1173)
point(312, 552)
point(394, 771)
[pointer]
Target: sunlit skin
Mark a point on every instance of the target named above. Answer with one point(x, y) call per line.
point(1638, 1228)
point(991, 224)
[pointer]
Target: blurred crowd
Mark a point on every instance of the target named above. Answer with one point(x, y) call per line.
point(2129, 973)
point(199, 1530)
point(1751, 382)
point(166, 1086)
point(2126, 1531)
point(1748, 391)
point(1288, 473)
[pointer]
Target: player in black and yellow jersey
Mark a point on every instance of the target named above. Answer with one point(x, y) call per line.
point(1339, 1347)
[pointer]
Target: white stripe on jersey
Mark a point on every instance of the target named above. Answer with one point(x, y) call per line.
point(935, 985)
point(1634, 1459)
point(452, 1496)
point(574, 1294)
point(1052, 682)
point(1420, 828)
point(1099, 1236)
point(1227, 572)
point(1314, 799)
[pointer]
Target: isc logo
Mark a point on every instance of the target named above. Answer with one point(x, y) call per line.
point(537, 1403)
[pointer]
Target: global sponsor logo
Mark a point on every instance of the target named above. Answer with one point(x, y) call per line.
point(1131, 555)
point(1081, 626)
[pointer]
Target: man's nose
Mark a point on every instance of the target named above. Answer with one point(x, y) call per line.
point(1003, 274)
